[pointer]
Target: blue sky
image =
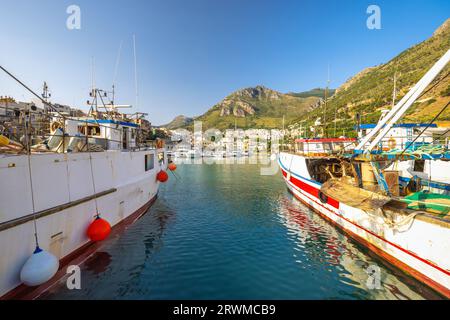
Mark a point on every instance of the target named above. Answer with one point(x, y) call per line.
point(192, 53)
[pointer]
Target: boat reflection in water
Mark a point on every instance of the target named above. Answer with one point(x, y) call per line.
point(98, 262)
point(114, 272)
point(326, 246)
point(211, 236)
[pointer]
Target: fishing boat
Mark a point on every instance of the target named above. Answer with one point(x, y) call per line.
point(58, 186)
point(393, 200)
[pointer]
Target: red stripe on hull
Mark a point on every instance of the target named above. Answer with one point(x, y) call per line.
point(391, 259)
point(310, 189)
point(77, 257)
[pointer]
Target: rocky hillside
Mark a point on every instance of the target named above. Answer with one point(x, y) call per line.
point(370, 91)
point(257, 107)
point(178, 122)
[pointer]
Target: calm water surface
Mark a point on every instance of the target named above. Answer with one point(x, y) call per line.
point(226, 232)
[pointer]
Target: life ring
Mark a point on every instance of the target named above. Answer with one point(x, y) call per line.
point(159, 144)
point(55, 125)
point(413, 185)
point(323, 197)
point(392, 143)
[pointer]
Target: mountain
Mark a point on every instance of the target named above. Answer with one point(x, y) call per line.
point(317, 92)
point(257, 107)
point(178, 122)
point(371, 90)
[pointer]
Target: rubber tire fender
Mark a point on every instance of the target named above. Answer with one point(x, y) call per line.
point(323, 197)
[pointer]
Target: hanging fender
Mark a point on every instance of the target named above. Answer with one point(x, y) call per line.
point(98, 230)
point(40, 267)
point(162, 176)
point(159, 144)
point(323, 197)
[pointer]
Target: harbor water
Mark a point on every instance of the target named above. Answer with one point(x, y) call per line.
point(224, 231)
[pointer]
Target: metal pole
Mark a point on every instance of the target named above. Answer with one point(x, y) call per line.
point(426, 79)
point(424, 82)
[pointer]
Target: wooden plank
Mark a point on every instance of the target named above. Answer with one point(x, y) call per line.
point(43, 213)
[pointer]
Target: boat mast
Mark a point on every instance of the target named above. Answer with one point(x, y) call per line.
point(283, 134)
point(325, 103)
point(115, 74)
point(135, 71)
point(45, 95)
point(93, 93)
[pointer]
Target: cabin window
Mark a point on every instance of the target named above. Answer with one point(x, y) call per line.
point(419, 165)
point(338, 147)
point(327, 147)
point(91, 130)
point(149, 161)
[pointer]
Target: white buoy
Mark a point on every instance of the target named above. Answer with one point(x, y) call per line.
point(39, 268)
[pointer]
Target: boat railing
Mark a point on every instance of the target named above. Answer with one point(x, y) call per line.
point(65, 143)
point(24, 132)
point(437, 143)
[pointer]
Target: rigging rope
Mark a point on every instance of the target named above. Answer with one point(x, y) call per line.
point(50, 105)
point(28, 137)
point(32, 92)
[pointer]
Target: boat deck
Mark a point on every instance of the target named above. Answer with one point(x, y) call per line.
point(433, 208)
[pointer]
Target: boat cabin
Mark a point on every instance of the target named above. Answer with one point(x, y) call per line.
point(118, 135)
point(106, 133)
point(402, 134)
point(323, 146)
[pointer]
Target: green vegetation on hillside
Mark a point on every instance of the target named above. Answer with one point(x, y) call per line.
point(367, 94)
point(317, 92)
point(371, 90)
point(257, 107)
point(178, 122)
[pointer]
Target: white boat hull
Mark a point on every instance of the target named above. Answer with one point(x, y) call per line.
point(63, 192)
point(422, 250)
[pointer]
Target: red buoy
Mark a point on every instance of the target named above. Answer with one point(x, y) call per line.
point(99, 229)
point(172, 166)
point(162, 176)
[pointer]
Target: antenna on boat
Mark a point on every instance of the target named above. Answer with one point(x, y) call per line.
point(283, 132)
point(136, 81)
point(93, 93)
point(92, 73)
point(325, 133)
point(115, 73)
point(135, 70)
point(45, 95)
